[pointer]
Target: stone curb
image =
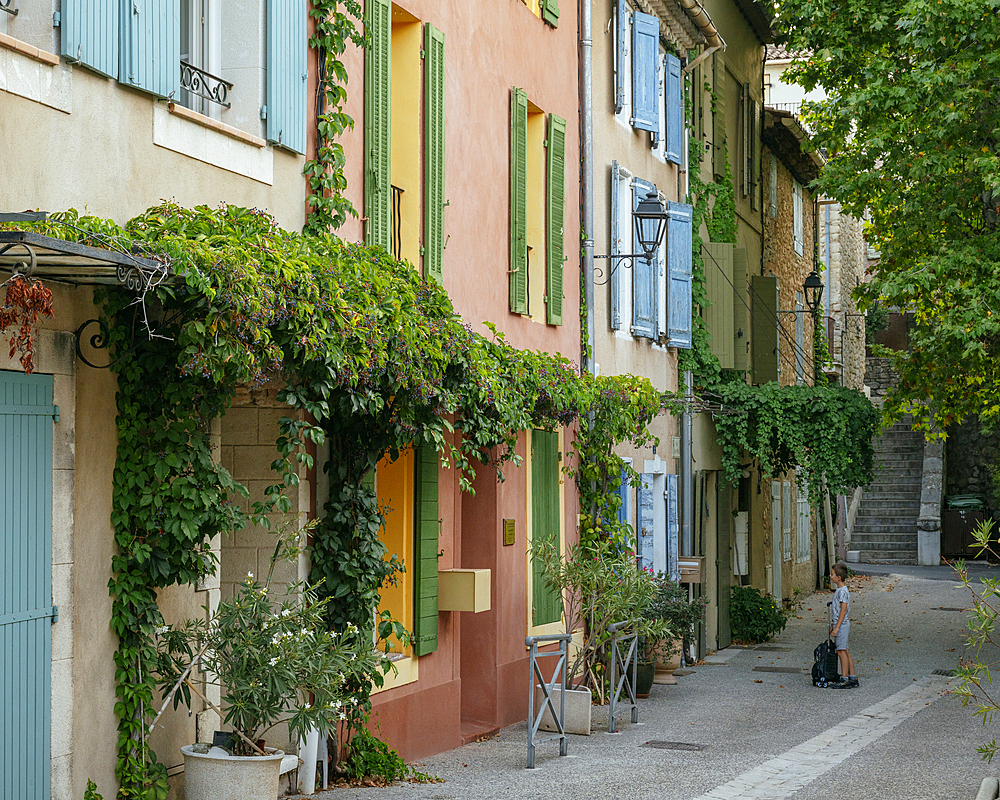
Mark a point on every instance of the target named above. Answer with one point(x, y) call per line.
point(988, 789)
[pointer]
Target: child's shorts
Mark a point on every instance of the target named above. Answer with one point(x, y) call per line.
point(845, 629)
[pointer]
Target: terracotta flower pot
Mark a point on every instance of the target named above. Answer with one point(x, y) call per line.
point(667, 662)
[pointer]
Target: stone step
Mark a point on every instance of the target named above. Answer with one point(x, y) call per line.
point(873, 503)
point(881, 547)
point(887, 516)
point(906, 528)
point(868, 557)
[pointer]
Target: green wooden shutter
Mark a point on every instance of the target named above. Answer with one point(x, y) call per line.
point(26, 610)
point(433, 153)
point(719, 117)
point(741, 315)
point(426, 549)
point(378, 24)
point(764, 312)
point(90, 34)
point(287, 73)
point(546, 605)
point(550, 12)
point(555, 212)
point(718, 258)
point(151, 46)
point(518, 201)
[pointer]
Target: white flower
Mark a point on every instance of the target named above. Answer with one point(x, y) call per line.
point(249, 576)
point(308, 705)
point(354, 701)
point(162, 630)
point(285, 612)
point(274, 661)
point(338, 704)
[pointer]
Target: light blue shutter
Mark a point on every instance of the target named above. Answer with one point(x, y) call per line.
point(644, 317)
point(645, 75)
point(679, 271)
point(287, 73)
point(90, 34)
point(151, 46)
point(674, 109)
point(644, 531)
point(614, 264)
point(26, 611)
point(621, 53)
point(623, 488)
point(673, 528)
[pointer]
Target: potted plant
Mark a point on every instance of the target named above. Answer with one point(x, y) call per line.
point(276, 664)
point(671, 605)
point(599, 583)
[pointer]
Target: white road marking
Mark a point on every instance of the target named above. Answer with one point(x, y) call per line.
point(798, 767)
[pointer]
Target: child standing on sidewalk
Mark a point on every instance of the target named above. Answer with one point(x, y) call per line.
point(840, 626)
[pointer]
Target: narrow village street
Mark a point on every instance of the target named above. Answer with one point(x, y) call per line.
point(761, 729)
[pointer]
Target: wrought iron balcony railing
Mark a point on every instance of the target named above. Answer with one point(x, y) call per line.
point(204, 84)
point(5, 6)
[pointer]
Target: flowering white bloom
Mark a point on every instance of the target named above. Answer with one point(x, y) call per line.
point(274, 661)
point(162, 629)
point(285, 612)
point(342, 715)
point(249, 576)
point(354, 701)
point(338, 704)
point(308, 705)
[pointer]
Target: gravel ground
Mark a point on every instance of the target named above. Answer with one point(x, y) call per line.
point(903, 629)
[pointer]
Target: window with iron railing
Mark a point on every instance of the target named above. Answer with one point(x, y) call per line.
point(200, 89)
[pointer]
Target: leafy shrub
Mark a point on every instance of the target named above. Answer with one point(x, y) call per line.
point(370, 758)
point(755, 617)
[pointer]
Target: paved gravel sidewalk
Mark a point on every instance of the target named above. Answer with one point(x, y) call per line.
point(905, 739)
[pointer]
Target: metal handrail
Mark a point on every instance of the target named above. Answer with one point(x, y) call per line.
point(558, 679)
point(617, 662)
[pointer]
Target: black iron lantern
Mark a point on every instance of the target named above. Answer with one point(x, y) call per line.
point(813, 291)
point(650, 223)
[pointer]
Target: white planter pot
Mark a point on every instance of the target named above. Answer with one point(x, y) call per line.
point(223, 777)
point(578, 706)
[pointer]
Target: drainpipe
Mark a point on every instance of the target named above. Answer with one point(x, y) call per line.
point(587, 360)
point(699, 16)
point(687, 469)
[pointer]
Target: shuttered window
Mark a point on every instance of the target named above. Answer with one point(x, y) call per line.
point(679, 274)
point(645, 525)
point(746, 160)
point(674, 109)
point(797, 216)
point(90, 34)
point(378, 25)
point(151, 46)
point(621, 55)
point(644, 277)
point(518, 201)
point(550, 12)
point(546, 605)
point(615, 265)
point(555, 211)
point(741, 314)
point(764, 337)
point(719, 117)
point(673, 527)
point(426, 548)
point(718, 259)
point(803, 526)
point(287, 74)
point(645, 83)
point(786, 519)
point(434, 153)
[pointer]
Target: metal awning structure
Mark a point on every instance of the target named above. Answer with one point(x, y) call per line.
point(51, 259)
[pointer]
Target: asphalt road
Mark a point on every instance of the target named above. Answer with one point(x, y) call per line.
point(767, 735)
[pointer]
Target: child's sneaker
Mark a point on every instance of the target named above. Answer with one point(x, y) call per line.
point(843, 683)
point(853, 683)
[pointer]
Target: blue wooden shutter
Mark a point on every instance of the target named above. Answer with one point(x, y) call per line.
point(550, 12)
point(426, 548)
point(614, 264)
point(26, 611)
point(378, 26)
point(518, 201)
point(644, 317)
point(151, 46)
point(679, 275)
point(644, 527)
point(287, 73)
point(623, 493)
point(645, 75)
point(545, 520)
point(433, 153)
point(673, 527)
point(91, 34)
point(555, 212)
point(621, 53)
point(674, 109)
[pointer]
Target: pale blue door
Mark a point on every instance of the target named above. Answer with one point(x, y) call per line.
point(26, 611)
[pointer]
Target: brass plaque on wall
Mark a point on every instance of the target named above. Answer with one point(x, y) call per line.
point(508, 532)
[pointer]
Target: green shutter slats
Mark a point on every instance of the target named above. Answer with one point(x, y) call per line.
point(287, 73)
point(679, 275)
point(741, 314)
point(378, 25)
point(555, 212)
point(433, 153)
point(764, 335)
point(645, 73)
point(26, 611)
point(545, 517)
point(673, 109)
point(719, 117)
point(150, 49)
point(518, 201)
point(644, 275)
point(718, 258)
point(426, 548)
point(550, 12)
point(89, 34)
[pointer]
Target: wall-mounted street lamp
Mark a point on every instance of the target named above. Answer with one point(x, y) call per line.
point(650, 219)
point(812, 288)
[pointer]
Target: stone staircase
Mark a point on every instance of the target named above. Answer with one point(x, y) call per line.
point(885, 530)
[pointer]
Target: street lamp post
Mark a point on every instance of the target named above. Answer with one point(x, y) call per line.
point(812, 288)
